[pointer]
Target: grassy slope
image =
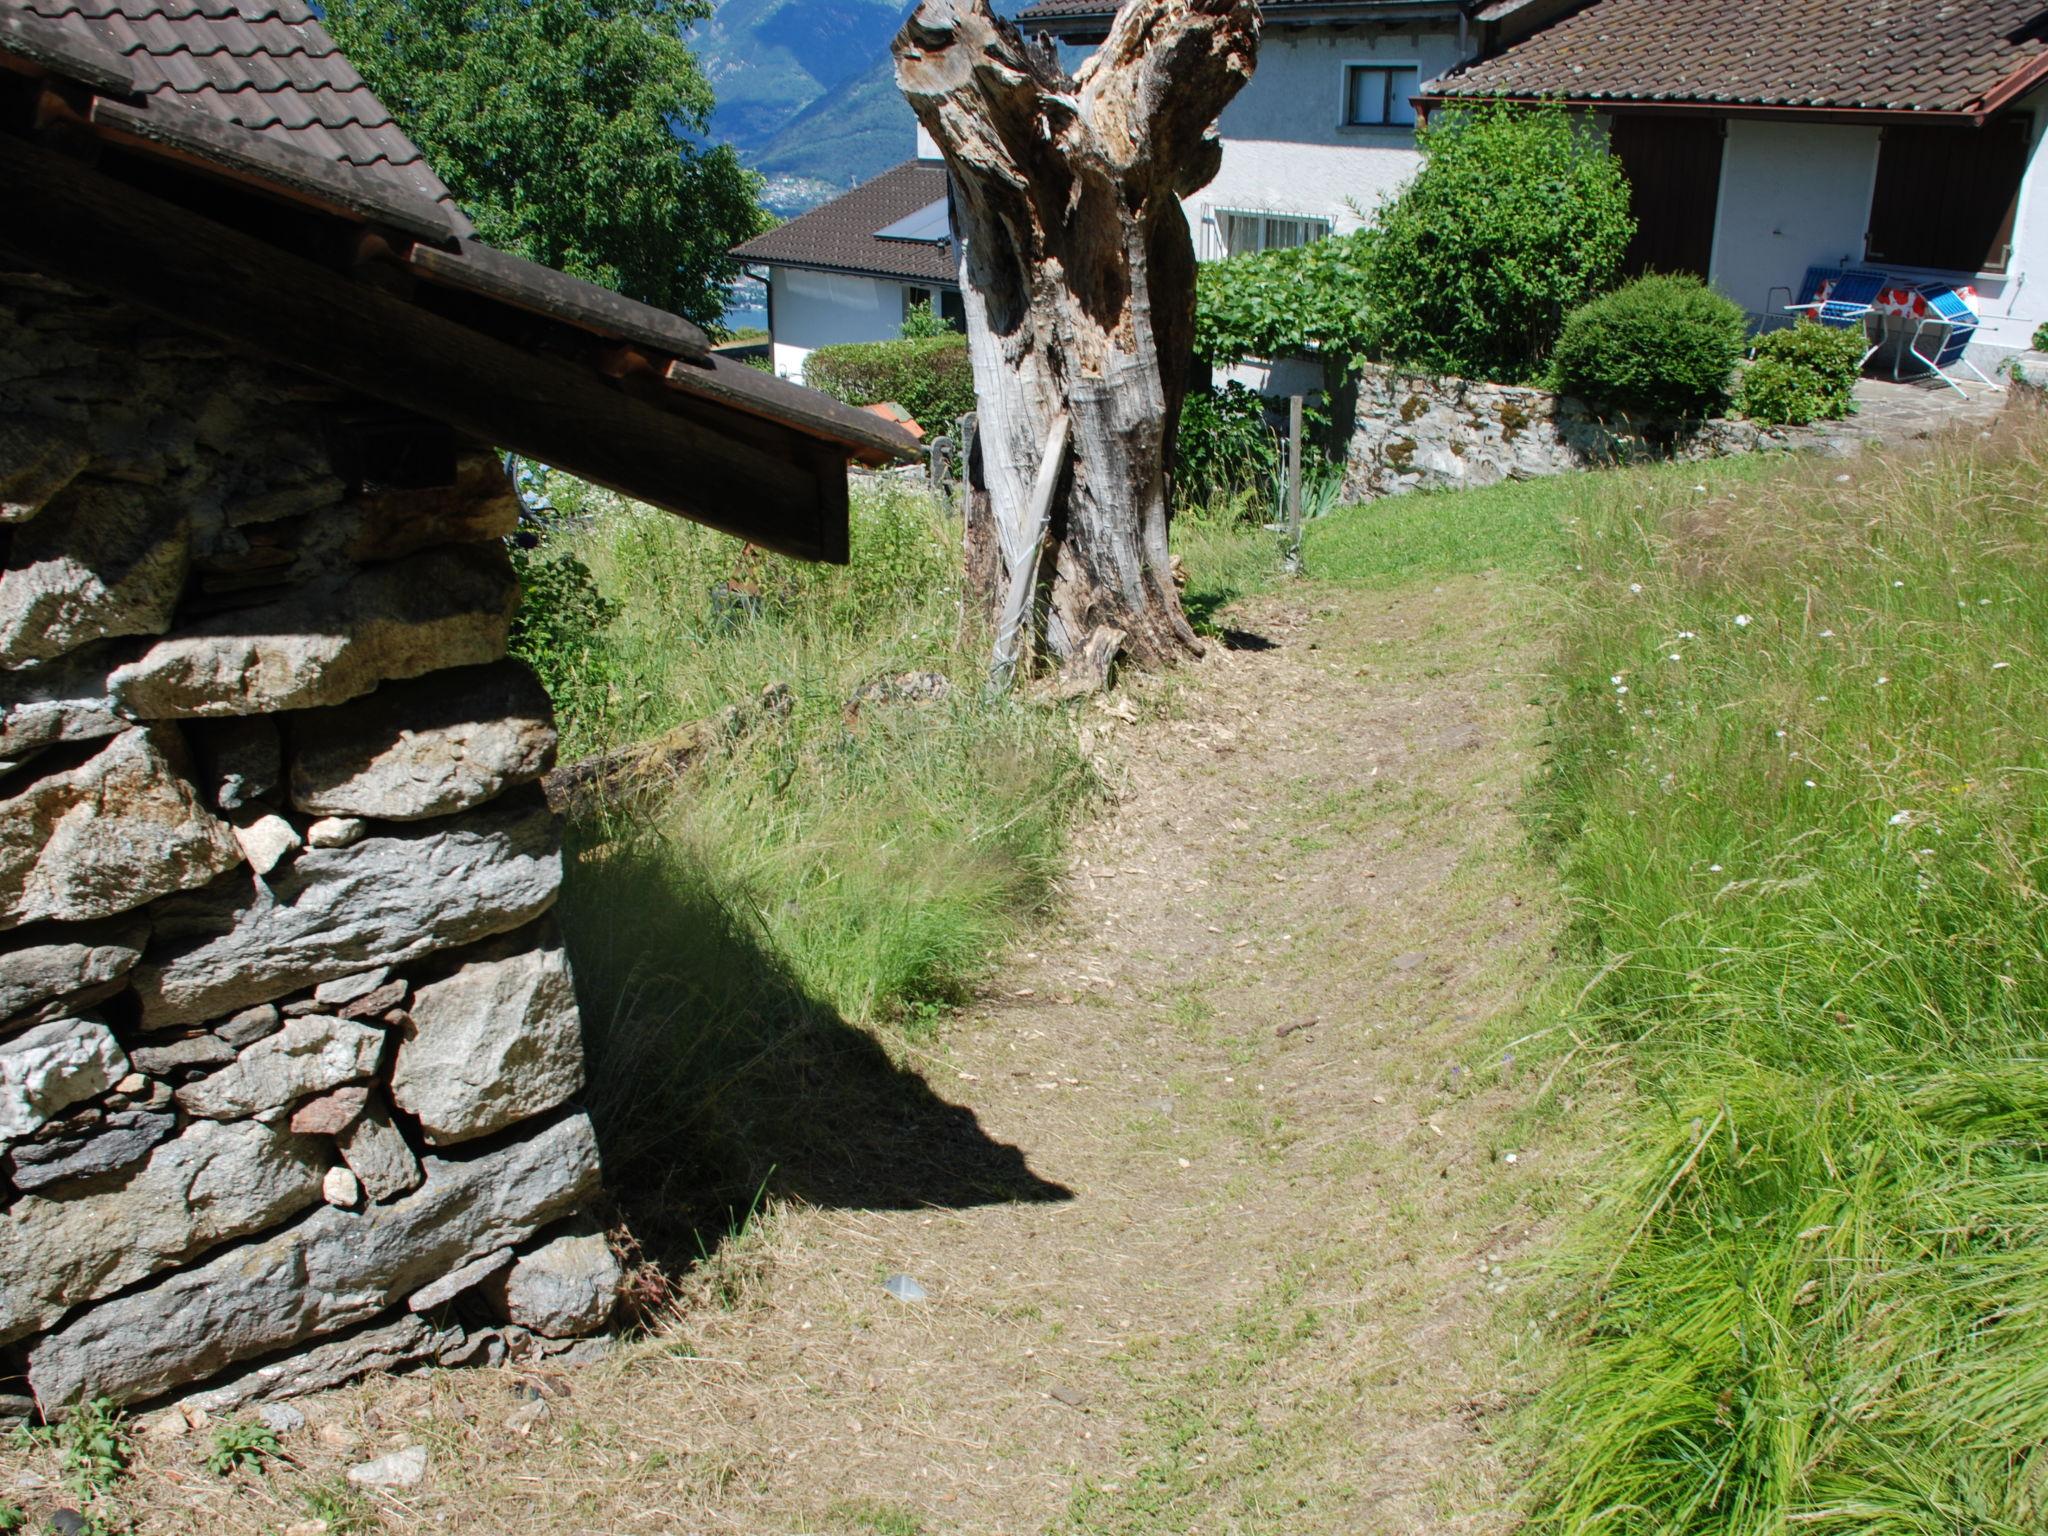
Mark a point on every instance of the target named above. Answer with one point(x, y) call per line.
point(1811, 1293)
point(1797, 800)
point(827, 868)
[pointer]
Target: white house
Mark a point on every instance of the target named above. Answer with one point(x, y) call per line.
point(1325, 129)
point(853, 269)
point(1761, 138)
point(1764, 137)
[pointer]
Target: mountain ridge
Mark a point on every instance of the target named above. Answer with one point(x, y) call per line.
point(806, 89)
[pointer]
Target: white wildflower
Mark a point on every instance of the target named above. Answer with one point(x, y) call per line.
point(1635, 586)
point(1902, 818)
point(1827, 634)
point(1713, 869)
point(1882, 681)
point(1898, 583)
point(1781, 735)
point(1622, 689)
point(1672, 657)
point(1811, 785)
point(1616, 679)
point(2000, 666)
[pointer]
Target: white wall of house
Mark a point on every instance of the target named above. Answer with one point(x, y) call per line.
point(1286, 148)
point(821, 309)
point(1795, 195)
point(2014, 305)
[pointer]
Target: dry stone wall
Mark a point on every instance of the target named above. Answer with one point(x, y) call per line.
point(1424, 432)
point(289, 1050)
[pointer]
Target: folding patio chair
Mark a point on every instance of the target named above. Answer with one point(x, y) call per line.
point(1848, 304)
point(1809, 291)
point(1946, 311)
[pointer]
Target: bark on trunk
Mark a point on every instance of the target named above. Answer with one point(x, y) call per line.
point(1078, 280)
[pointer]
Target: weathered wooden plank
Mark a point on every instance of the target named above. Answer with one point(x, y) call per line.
point(270, 165)
point(478, 268)
point(75, 222)
point(724, 382)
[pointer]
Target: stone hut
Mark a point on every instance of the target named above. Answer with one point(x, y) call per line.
point(289, 1050)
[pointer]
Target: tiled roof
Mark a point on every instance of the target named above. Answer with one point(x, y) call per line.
point(1065, 10)
point(839, 236)
point(1866, 55)
point(266, 65)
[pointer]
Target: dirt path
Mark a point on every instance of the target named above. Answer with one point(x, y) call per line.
point(1255, 1051)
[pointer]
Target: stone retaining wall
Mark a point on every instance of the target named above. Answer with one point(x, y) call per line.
point(1421, 432)
point(288, 1046)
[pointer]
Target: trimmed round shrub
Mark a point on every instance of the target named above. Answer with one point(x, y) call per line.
point(929, 376)
point(1659, 346)
point(1809, 373)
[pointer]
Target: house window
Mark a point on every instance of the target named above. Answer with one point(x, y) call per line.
point(1946, 197)
point(944, 302)
point(1244, 233)
point(1380, 95)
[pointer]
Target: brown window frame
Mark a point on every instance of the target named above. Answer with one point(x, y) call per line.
point(1933, 172)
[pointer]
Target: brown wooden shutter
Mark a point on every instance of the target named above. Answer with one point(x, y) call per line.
point(1946, 197)
point(1673, 165)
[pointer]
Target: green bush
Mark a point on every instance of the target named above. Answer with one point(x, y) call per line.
point(1226, 446)
point(928, 376)
point(559, 629)
point(1775, 394)
point(1807, 373)
point(1663, 346)
point(923, 323)
point(1308, 298)
point(2041, 337)
point(1518, 216)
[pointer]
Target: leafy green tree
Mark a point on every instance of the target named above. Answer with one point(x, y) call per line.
point(570, 131)
point(1518, 216)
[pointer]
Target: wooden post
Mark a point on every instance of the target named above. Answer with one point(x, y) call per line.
point(1294, 483)
point(1014, 627)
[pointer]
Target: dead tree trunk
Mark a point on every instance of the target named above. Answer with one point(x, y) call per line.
point(1079, 282)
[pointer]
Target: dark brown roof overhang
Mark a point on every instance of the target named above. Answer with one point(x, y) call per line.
point(1782, 111)
point(915, 279)
point(354, 279)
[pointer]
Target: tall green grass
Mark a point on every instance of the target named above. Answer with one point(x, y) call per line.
point(1799, 800)
point(834, 867)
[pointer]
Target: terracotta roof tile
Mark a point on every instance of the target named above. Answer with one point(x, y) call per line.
point(1064, 10)
point(839, 236)
point(1871, 55)
point(265, 65)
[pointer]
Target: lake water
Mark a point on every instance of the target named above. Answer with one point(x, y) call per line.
point(747, 306)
